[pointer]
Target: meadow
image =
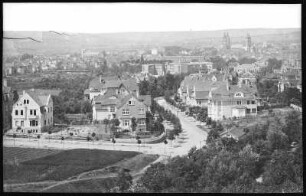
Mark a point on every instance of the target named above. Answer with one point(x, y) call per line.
point(61, 165)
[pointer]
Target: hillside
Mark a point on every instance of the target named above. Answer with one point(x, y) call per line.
point(53, 43)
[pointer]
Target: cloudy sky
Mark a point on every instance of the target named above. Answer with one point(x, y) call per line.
point(146, 17)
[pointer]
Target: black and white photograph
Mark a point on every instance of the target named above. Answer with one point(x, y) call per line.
point(145, 97)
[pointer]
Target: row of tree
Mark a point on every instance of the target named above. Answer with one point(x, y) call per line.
point(230, 166)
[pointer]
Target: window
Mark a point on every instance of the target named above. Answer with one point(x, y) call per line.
point(125, 111)
point(24, 101)
point(112, 109)
point(27, 101)
point(45, 122)
point(126, 122)
point(248, 102)
point(34, 112)
point(16, 112)
point(36, 123)
point(142, 122)
point(22, 123)
point(238, 102)
point(31, 112)
point(131, 102)
point(21, 112)
point(141, 111)
point(48, 121)
point(48, 110)
point(253, 102)
point(254, 110)
point(248, 111)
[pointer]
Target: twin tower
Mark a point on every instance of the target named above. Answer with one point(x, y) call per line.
point(227, 42)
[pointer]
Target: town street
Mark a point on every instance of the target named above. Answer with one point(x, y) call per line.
point(191, 136)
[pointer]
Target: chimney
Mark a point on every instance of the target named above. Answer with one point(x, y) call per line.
point(32, 89)
point(239, 84)
point(100, 78)
point(23, 92)
point(227, 86)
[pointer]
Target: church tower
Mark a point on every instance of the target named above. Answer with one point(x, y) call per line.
point(248, 43)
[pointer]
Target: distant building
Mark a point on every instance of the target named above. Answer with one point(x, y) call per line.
point(226, 41)
point(32, 112)
point(100, 85)
point(248, 43)
point(194, 89)
point(251, 68)
point(154, 69)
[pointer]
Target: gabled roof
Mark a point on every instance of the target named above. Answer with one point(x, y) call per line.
point(237, 132)
point(131, 84)
point(247, 75)
point(39, 97)
point(124, 100)
point(146, 99)
point(201, 94)
point(113, 82)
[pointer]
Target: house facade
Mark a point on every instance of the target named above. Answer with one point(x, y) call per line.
point(124, 108)
point(129, 108)
point(228, 101)
point(194, 89)
point(32, 111)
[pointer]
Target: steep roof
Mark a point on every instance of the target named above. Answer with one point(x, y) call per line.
point(113, 82)
point(247, 75)
point(147, 100)
point(201, 94)
point(237, 132)
point(40, 97)
point(131, 84)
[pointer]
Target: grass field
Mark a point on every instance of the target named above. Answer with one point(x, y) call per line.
point(62, 165)
point(85, 186)
point(11, 154)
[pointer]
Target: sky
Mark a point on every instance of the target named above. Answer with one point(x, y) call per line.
point(146, 17)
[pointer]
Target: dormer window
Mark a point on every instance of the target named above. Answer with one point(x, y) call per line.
point(239, 94)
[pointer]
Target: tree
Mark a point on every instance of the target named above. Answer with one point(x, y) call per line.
point(86, 107)
point(14, 136)
point(279, 168)
point(208, 121)
point(138, 142)
point(156, 177)
point(213, 135)
point(293, 127)
point(124, 180)
point(15, 96)
point(106, 122)
point(93, 135)
point(171, 136)
point(49, 132)
point(134, 124)
point(277, 139)
point(113, 141)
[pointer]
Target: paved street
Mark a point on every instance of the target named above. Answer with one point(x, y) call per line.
point(191, 136)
